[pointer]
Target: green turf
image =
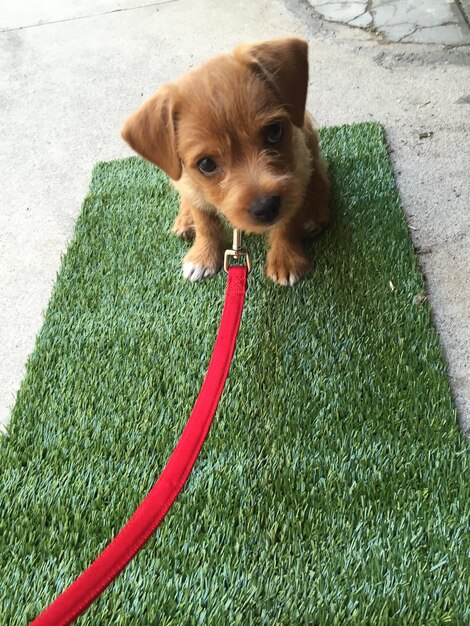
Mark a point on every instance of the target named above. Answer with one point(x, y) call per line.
point(333, 488)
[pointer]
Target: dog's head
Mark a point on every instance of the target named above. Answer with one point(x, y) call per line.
point(229, 132)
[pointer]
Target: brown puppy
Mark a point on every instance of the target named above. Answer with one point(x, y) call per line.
point(234, 136)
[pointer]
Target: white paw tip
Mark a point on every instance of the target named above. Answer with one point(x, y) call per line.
point(193, 272)
point(288, 281)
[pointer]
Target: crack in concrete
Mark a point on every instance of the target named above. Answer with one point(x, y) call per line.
point(85, 17)
point(420, 28)
point(385, 26)
point(408, 34)
point(366, 10)
point(438, 25)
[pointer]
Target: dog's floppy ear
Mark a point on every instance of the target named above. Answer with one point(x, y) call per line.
point(284, 64)
point(151, 132)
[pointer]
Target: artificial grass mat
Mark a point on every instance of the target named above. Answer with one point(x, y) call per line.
point(333, 487)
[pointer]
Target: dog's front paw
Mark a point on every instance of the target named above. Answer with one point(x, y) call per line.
point(199, 265)
point(286, 268)
point(184, 227)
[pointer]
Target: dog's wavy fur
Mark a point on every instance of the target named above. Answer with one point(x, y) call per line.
point(221, 110)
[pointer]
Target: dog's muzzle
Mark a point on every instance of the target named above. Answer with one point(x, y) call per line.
point(266, 210)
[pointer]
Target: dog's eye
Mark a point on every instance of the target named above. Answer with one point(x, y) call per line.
point(207, 166)
point(274, 133)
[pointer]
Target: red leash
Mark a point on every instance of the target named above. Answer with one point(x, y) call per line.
point(89, 585)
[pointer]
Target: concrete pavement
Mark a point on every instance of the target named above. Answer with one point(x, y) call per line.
point(70, 74)
point(406, 21)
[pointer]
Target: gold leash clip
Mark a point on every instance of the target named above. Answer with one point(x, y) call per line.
point(237, 251)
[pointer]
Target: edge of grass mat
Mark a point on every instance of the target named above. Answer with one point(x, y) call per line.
point(333, 488)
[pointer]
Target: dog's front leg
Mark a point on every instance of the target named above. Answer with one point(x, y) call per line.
point(286, 262)
point(207, 253)
point(184, 222)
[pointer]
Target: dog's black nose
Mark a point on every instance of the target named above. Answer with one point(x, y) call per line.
point(266, 209)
